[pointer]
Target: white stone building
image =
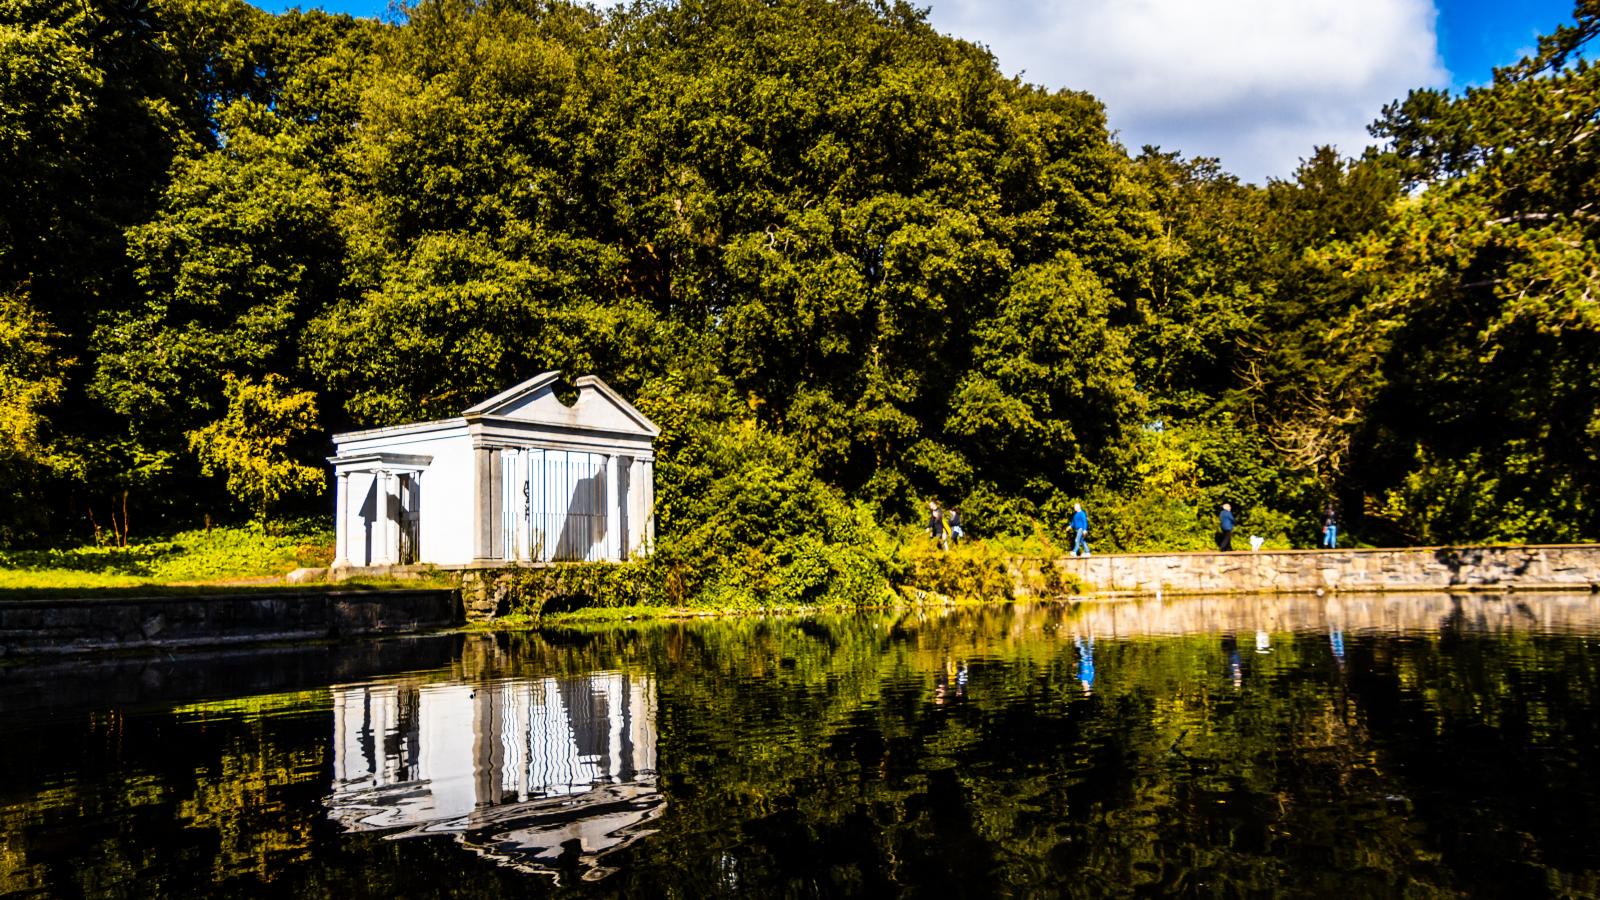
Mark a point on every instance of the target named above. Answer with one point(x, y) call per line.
point(519, 478)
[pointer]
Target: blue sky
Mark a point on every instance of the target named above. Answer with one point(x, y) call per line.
point(1257, 83)
point(1477, 35)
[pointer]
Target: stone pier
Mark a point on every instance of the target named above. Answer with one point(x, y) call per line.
point(1551, 567)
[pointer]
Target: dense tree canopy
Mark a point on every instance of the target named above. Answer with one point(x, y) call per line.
point(835, 253)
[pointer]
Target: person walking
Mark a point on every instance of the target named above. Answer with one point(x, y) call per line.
point(953, 519)
point(1330, 530)
point(1225, 522)
point(1080, 531)
point(936, 524)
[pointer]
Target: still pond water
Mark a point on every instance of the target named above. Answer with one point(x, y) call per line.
point(1398, 745)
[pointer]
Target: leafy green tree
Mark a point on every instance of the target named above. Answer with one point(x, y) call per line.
point(250, 445)
point(31, 380)
point(1305, 386)
point(242, 254)
point(766, 531)
point(1199, 285)
point(831, 250)
point(456, 320)
point(1484, 411)
point(1051, 392)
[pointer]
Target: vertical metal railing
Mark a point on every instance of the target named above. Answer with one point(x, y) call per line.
point(567, 505)
point(409, 493)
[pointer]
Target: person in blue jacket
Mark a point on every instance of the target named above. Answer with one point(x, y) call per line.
point(1080, 530)
point(1225, 522)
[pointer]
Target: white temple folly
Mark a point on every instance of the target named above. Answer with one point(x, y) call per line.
point(520, 478)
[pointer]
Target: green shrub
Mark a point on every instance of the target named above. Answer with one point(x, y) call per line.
point(762, 530)
point(1146, 523)
point(969, 572)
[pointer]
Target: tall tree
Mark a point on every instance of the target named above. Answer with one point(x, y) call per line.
point(1484, 322)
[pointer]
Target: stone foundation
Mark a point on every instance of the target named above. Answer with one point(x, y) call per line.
point(488, 593)
point(1564, 567)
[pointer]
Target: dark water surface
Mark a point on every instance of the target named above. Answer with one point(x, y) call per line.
point(1400, 745)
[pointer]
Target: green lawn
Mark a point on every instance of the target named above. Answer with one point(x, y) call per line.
point(241, 556)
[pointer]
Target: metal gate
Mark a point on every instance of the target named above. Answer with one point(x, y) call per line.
point(556, 506)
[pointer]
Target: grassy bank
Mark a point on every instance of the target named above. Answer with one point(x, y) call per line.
point(236, 556)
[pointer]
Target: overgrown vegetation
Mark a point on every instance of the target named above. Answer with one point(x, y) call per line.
point(839, 258)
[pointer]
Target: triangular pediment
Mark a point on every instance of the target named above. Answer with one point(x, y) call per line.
point(598, 407)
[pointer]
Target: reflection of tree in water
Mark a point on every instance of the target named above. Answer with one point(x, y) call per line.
point(212, 780)
point(1167, 778)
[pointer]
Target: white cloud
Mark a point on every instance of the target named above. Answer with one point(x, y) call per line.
point(1257, 83)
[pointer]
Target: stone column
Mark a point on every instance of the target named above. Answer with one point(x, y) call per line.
point(383, 539)
point(341, 525)
point(623, 504)
point(613, 489)
point(647, 505)
point(636, 516)
point(488, 534)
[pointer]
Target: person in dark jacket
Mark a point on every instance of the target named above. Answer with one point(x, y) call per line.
point(1225, 522)
point(953, 519)
point(936, 524)
point(1330, 530)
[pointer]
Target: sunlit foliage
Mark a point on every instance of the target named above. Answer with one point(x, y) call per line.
point(846, 263)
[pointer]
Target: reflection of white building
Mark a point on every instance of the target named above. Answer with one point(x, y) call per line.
point(517, 769)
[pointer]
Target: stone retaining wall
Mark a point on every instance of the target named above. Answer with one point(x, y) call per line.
point(78, 624)
point(1565, 567)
